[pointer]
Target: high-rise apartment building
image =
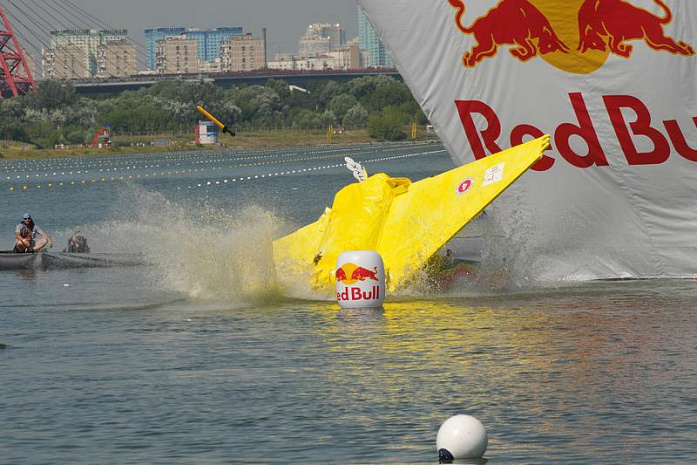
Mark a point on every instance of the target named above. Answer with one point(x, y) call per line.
point(152, 37)
point(320, 39)
point(177, 55)
point(348, 57)
point(207, 40)
point(65, 62)
point(370, 42)
point(66, 43)
point(117, 58)
point(242, 53)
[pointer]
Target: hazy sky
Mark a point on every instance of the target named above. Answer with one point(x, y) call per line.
point(285, 20)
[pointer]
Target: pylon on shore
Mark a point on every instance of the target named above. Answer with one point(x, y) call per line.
point(15, 76)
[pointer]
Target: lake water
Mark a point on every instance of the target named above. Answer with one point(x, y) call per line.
point(199, 358)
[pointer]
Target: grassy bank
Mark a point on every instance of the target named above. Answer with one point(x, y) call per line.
point(183, 141)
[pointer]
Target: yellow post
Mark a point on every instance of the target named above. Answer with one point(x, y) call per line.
point(413, 131)
point(330, 132)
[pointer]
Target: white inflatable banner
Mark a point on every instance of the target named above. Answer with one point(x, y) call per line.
point(615, 84)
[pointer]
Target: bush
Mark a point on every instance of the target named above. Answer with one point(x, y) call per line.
point(356, 116)
point(389, 124)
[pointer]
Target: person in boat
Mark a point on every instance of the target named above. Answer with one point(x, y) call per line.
point(30, 237)
point(77, 243)
point(448, 259)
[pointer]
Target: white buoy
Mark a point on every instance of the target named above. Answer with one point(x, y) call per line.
point(360, 279)
point(461, 437)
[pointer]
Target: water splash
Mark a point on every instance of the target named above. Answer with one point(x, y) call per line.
point(199, 251)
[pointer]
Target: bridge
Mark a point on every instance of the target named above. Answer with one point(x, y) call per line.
point(227, 80)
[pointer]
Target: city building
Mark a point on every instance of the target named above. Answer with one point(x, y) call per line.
point(152, 37)
point(242, 53)
point(116, 58)
point(323, 46)
point(296, 63)
point(65, 44)
point(370, 42)
point(348, 57)
point(66, 62)
point(283, 61)
point(207, 67)
point(320, 39)
point(208, 41)
point(177, 55)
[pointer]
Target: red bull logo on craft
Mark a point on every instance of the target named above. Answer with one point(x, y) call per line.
point(350, 273)
point(576, 36)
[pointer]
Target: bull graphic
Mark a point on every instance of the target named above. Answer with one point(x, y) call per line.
point(610, 23)
point(361, 274)
point(510, 22)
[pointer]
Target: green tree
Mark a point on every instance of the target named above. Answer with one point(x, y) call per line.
point(327, 92)
point(76, 135)
point(12, 125)
point(341, 104)
point(259, 106)
point(356, 116)
point(387, 94)
point(388, 125)
point(365, 86)
point(305, 119)
point(52, 94)
point(280, 87)
point(328, 117)
point(192, 93)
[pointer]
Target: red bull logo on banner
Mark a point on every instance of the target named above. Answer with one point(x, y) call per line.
point(626, 130)
point(577, 38)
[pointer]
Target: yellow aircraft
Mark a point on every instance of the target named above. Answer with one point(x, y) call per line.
point(406, 223)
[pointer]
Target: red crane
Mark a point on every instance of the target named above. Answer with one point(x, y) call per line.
point(15, 77)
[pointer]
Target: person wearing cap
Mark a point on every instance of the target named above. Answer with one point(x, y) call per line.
point(30, 237)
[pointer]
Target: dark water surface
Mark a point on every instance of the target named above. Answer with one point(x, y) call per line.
point(180, 363)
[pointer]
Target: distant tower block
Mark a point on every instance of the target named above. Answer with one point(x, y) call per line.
point(15, 77)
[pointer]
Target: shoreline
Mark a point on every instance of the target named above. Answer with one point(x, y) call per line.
point(243, 140)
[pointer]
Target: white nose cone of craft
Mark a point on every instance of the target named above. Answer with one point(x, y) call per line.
point(360, 279)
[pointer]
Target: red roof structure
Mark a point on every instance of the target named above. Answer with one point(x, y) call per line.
point(15, 76)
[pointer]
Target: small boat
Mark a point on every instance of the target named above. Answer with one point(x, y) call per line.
point(10, 260)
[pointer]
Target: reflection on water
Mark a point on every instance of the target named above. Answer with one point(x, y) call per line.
point(199, 359)
point(596, 373)
point(558, 371)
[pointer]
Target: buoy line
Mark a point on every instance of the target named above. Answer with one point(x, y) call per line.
point(189, 156)
point(227, 181)
point(133, 167)
point(85, 182)
point(161, 174)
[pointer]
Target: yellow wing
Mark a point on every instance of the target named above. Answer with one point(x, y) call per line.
point(293, 254)
point(405, 222)
point(433, 210)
